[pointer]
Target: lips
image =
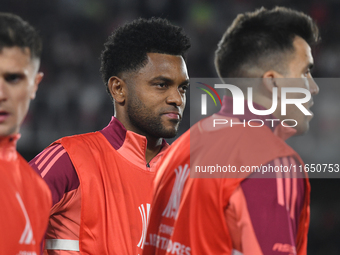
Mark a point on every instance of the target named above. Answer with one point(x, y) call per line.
point(308, 108)
point(3, 115)
point(311, 103)
point(173, 115)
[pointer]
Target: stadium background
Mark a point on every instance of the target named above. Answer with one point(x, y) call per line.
point(72, 98)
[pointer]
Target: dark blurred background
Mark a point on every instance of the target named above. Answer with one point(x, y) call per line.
point(72, 98)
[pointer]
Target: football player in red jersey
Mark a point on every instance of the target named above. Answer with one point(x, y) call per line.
point(240, 212)
point(101, 182)
point(25, 197)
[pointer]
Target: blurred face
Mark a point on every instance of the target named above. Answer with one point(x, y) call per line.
point(156, 96)
point(299, 68)
point(19, 79)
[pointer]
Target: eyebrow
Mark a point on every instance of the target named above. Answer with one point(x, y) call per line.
point(19, 74)
point(168, 80)
point(14, 73)
point(186, 82)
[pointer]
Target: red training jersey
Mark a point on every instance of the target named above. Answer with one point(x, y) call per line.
point(101, 186)
point(229, 212)
point(25, 203)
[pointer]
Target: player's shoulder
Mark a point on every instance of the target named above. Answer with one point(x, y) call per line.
point(52, 161)
point(32, 178)
point(80, 141)
point(76, 137)
point(180, 147)
point(178, 154)
point(184, 139)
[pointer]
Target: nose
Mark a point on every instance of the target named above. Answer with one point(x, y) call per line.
point(3, 94)
point(176, 97)
point(313, 87)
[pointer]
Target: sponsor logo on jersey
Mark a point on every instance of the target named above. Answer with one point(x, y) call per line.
point(27, 253)
point(27, 234)
point(145, 219)
point(284, 247)
point(171, 209)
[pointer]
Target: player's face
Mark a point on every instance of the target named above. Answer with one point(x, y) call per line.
point(18, 83)
point(156, 96)
point(299, 67)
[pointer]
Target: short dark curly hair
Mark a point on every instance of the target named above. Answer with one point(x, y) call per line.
point(14, 31)
point(127, 47)
point(255, 39)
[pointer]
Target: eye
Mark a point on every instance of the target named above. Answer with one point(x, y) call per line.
point(184, 88)
point(13, 78)
point(307, 72)
point(161, 85)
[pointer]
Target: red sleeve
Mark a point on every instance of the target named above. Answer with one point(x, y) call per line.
point(55, 167)
point(267, 207)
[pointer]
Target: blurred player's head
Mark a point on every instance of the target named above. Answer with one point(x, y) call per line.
point(20, 50)
point(262, 40)
point(144, 71)
point(271, 44)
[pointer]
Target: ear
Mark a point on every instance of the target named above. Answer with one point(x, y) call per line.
point(117, 89)
point(39, 76)
point(270, 80)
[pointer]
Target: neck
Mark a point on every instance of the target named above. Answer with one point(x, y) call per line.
point(154, 144)
point(153, 148)
point(10, 139)
point(8, 147)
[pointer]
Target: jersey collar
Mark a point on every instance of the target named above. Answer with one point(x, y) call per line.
point(8, 147)
point(130, 145)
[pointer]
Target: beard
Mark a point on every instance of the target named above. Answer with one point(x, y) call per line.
point(147, 123)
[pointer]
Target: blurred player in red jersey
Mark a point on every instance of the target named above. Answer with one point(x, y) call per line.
point(25, 197)
point(101, 182)
point(232, 213)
